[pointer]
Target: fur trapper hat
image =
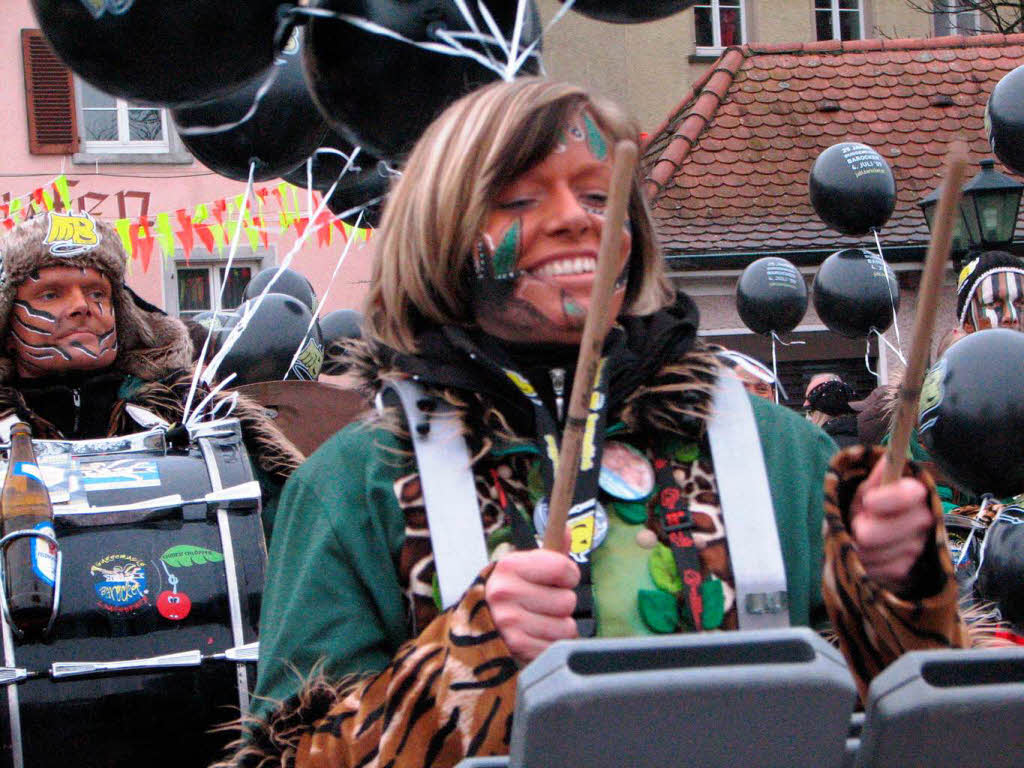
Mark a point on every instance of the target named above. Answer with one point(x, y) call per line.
point(150, 344)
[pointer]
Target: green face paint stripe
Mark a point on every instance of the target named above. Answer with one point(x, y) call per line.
point(507, 251)
point(596, 142)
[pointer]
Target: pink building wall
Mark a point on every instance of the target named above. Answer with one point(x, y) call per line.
point(113, 191)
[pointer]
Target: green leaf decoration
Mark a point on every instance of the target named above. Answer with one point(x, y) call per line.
point(535, 481)
point(633, 512)
point(686, 453)
point(664, 571)
point(658, 610)
point(713, 597)
point(187, 555)
point(435, 587)
point(499, 536)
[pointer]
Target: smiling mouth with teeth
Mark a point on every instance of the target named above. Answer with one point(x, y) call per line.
point(580, 266)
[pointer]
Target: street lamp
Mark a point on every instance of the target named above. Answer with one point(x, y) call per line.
point(988, 210)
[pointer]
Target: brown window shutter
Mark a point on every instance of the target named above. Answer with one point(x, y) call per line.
point(49, 97)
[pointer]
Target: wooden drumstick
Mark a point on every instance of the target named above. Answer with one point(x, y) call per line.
point(924, 319)
point(595, 329)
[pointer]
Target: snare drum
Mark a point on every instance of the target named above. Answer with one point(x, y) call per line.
point(162, 567)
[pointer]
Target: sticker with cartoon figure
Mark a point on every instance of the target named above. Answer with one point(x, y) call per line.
point(625, 472)
point(309, 362)
point(932, 392)
point(71, 234)
point(119, 581)
point(588, 526)
point(173, 604)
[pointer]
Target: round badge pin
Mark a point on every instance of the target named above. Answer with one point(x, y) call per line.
point(589, 528)
point(625, 472)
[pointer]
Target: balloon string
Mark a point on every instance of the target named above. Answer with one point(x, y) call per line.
point(892, 301)
point(887, 343)
point(451, 44)
point(236, 237)
point(316, 312)
point(250, 308)
point(203, 130)
point(775, 369)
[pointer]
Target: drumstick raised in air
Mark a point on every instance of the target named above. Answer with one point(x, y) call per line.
point(924, 318)
point(595, 329)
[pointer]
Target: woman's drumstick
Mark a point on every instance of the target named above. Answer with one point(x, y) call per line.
point(595, 329)
point(924, 319)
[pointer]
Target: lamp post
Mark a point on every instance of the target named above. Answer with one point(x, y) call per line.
point(988, 210)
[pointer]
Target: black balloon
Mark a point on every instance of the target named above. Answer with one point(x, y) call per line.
point(290, 283)
point(852, 188)
point(630, 11)
point(265, 348)
point(382, 93)
point(1004, 119)
point(284, 130)
point(855, 291)
point(336, 327)
point(771, 296)
point(971, 416)
point(160, 52)
point(365, 186)
point(999, 574)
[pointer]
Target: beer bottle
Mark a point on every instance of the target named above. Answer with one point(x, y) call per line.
point(29, 562)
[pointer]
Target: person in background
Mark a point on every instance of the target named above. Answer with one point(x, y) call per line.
point(80, 346)
point(756, 377)
point(828, 406)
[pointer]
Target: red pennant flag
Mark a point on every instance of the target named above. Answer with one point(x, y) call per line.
point(205, 235)
point(219, 207)
point(5, 210)
point(37, 196)
point(185, 233)
point(323, 228)
point(301, 222)
point(258, 221)
point(142, 241)
point(340, 226)
point(9, 223)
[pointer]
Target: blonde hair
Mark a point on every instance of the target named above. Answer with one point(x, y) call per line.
point(437, 209)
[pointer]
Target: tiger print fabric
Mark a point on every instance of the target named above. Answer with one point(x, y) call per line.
point(874, 625)
point(446, 695)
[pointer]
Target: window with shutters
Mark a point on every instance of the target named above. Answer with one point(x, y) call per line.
point(49, 97)
point(113, 125)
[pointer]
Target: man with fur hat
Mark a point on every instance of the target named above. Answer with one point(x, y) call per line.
point(79, 345)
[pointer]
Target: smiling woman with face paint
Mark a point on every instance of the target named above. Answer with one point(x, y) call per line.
point(484, 266)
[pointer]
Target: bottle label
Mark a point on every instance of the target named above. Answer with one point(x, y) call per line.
point(28, 469)
point(44, 555)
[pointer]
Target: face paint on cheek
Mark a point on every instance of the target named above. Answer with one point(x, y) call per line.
point(596, 142)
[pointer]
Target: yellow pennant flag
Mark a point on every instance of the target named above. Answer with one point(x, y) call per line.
point(61, 185)
point(123, 227)
point(164, 234)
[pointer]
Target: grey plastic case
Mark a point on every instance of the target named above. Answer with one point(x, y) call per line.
point(947, 709)
point(765, 698)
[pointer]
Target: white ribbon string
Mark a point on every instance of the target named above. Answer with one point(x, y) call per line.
point(268, 82)
point(775, 366)
point(892, 300)
point(316, 313)
point(210, 371)
point(451, 40)
point(236, 237)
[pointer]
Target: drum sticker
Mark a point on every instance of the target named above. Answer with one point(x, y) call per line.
point(119, 473)
point(173, 604)
point(120, 583)
point(44, 555)
point(186, 555)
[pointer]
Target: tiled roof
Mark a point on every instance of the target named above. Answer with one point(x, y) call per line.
point(728, 170)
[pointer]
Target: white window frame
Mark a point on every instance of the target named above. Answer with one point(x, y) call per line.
point(835, 12)
point(956, 21)
point(200, 259)
point(169, 150)
point(716, 27)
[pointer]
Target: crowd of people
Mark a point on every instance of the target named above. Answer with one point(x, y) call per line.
point(371, 651)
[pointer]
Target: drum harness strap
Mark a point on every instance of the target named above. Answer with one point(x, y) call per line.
point(456, 530)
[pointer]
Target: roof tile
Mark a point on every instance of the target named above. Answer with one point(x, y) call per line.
point(728, 168)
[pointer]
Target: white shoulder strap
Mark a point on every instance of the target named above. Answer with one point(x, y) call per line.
point(449, 491)
point(750, 529)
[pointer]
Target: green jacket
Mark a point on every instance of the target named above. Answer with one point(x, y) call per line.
point(333, 596)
